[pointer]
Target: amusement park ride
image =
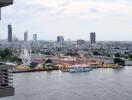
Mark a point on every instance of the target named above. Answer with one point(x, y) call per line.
point(6, 88)
point(25, 54)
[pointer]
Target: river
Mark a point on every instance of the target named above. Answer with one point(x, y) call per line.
point(98, 84)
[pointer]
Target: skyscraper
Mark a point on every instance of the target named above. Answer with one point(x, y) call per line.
point(26, 36)
point(34, 37)
point(93, 37)
point(9, 33)
point(80, 42)
point(60, 39)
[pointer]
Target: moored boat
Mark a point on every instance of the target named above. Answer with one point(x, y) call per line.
point(75, 69)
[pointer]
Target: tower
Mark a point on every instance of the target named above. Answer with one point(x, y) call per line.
point(34, 37)
point(9, 33)
point(26, 36)
point(60, 39)
point(93, 37)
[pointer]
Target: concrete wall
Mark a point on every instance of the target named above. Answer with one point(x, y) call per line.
point(4, 92)
point(5, 2)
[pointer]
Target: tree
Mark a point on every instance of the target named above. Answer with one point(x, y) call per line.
point(33, 64)
point(119, 61)
point(5, 53)
point(15, 59)
point(48, 61)
point(117, 55)
point(95, 53)
point(130, 57)
point(108, 55)
point(72, 54)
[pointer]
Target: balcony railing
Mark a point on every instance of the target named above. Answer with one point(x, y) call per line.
point(6, 81)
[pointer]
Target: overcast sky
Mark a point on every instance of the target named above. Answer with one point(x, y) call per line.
point(74, 19)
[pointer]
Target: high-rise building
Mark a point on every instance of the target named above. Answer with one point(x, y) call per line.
point(93, 37)
point(34, 37)
point(26, 36)
point(80, 42)
point(9, 33)
point(60, 39)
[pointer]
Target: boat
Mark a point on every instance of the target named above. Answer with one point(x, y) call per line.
point(75, 69)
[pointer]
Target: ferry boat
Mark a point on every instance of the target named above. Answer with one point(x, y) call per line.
point(75, 69)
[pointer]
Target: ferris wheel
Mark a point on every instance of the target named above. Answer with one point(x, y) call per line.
point(25, 54)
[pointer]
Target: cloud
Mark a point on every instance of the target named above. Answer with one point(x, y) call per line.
point(130, 30)
point(67, 16)
point(89, 9)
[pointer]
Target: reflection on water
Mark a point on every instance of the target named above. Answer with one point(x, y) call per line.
point(98, 84)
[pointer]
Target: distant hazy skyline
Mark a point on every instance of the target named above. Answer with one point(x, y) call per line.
point(73, 19)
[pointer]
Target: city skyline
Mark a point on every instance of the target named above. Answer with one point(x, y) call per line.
point(71, 19)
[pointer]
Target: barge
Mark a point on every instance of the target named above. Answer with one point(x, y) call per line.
point(75, 69)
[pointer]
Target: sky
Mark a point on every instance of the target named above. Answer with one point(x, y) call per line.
point(73, 19)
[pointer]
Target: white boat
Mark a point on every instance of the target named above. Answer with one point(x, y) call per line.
point(75, 69)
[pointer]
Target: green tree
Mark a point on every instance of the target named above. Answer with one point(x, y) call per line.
point(130, 57)
point(95, 53)
point(33, 64)
point(15, 59)
point(48, 61)
point(5, 53)
point(119, 61)
point(117, 55)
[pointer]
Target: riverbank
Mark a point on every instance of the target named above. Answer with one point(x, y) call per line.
point(109, 67)
point(28, 71)
point(93, 67)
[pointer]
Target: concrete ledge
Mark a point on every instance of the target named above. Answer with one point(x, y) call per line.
point(5, 2)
